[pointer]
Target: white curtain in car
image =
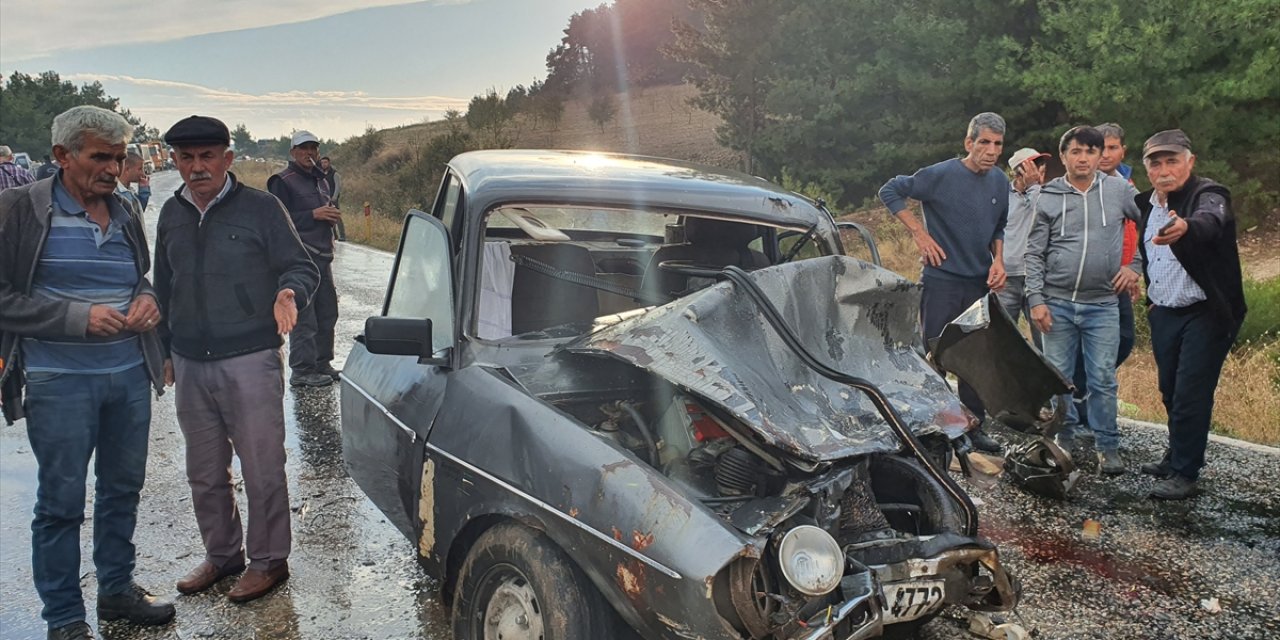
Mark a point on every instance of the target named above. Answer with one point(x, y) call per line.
point(497, 274)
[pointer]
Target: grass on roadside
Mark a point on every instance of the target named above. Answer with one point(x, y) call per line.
point(379, 230)
point(255, 174)
point(1246, 404)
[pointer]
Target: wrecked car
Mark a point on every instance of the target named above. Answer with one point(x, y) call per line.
point(612, 396)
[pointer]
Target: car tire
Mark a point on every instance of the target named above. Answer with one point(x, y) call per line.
point(516, 584)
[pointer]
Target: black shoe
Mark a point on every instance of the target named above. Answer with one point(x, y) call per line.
point(1174, 487)
point(329, 371)
point(310, 380)
point(983, 442)
point(1158, 469)
point(1110, 463)
point(74, 631)
point(134, 605)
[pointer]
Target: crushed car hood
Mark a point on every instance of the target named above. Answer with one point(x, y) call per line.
point(863, 320)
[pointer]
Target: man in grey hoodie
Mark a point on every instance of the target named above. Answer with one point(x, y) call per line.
point(1074, 276)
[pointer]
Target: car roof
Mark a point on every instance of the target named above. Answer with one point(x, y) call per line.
point(494, 177)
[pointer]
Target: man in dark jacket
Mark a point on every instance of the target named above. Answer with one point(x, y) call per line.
point(231, 274)
point(77, 336)
point(301, 186)
point(334, 181)
point(1195, 300)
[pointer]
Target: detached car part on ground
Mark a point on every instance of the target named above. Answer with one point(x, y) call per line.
point(1017, 386)
point(748, 454)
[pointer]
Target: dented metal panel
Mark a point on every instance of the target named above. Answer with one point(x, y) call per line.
point(624, 523)
point(861, 318)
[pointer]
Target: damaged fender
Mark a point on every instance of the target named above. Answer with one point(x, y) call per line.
point(653, 552)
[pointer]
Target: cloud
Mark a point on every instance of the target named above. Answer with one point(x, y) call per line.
point(33, 29)
point(329, 114)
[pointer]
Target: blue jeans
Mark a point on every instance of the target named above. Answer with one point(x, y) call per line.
point(1122, 353)
point(1092, 330)
point(68, 417)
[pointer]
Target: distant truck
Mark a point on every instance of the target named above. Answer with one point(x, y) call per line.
point(23, 159)
point(141, 150)
point(152, 154)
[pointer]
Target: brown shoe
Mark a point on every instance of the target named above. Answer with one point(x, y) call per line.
point(255, 584)
point(205, 575)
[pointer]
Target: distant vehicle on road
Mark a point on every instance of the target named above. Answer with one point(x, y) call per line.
point(611, 395)
point(23, 159)
point(144, 152)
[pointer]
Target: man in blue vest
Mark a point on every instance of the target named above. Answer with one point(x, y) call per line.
point(301, 186)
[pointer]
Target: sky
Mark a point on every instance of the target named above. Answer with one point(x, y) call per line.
point(333, 67)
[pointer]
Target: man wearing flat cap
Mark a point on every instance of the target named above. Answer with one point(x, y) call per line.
point(1195, 300)
point(302, 187)
point(231, 274)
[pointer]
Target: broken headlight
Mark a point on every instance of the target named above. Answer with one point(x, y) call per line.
point(811, 560)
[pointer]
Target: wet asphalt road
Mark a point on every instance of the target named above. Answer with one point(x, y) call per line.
point(354, 575)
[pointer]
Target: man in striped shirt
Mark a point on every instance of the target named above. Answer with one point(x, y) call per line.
point(77, 336)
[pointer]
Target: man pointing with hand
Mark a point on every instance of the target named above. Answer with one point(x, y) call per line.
point(231, 274)
point(1195, 300)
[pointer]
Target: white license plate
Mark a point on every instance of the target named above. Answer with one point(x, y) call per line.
point(905, 601)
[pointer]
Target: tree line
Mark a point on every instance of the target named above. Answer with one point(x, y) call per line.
point(843, 94)
point(29, 103)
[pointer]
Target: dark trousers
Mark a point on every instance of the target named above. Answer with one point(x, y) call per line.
point(943, 301)
point(311, 341)
point(69, 418)
point(236, 406)
point(1122, 354)
point(1190, 345)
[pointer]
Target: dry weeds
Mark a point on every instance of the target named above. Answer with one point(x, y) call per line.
point(255, 174)
point(1247, 402)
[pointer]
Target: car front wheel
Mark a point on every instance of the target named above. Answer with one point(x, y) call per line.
point(516, 584)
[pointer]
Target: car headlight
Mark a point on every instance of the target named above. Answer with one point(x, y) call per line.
point(811, 560)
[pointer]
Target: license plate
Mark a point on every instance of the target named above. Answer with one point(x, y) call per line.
point(905, 601)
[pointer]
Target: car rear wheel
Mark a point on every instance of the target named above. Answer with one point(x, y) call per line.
point(516, 584)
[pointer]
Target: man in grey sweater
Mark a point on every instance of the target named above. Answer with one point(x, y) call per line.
point(1074, 276)
point(966, 205)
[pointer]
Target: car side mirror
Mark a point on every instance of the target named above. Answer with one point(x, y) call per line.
point(401, 337)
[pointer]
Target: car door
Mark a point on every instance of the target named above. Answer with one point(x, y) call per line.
point(389, 402)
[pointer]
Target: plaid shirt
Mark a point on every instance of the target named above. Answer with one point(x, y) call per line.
point(11, 175)
point(1171, 286)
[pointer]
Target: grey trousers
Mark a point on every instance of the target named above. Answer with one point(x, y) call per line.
point(236, 405)
point(1014, 300)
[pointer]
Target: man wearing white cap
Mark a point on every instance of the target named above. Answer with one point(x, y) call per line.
point(1024, 190)
point(301, 186)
